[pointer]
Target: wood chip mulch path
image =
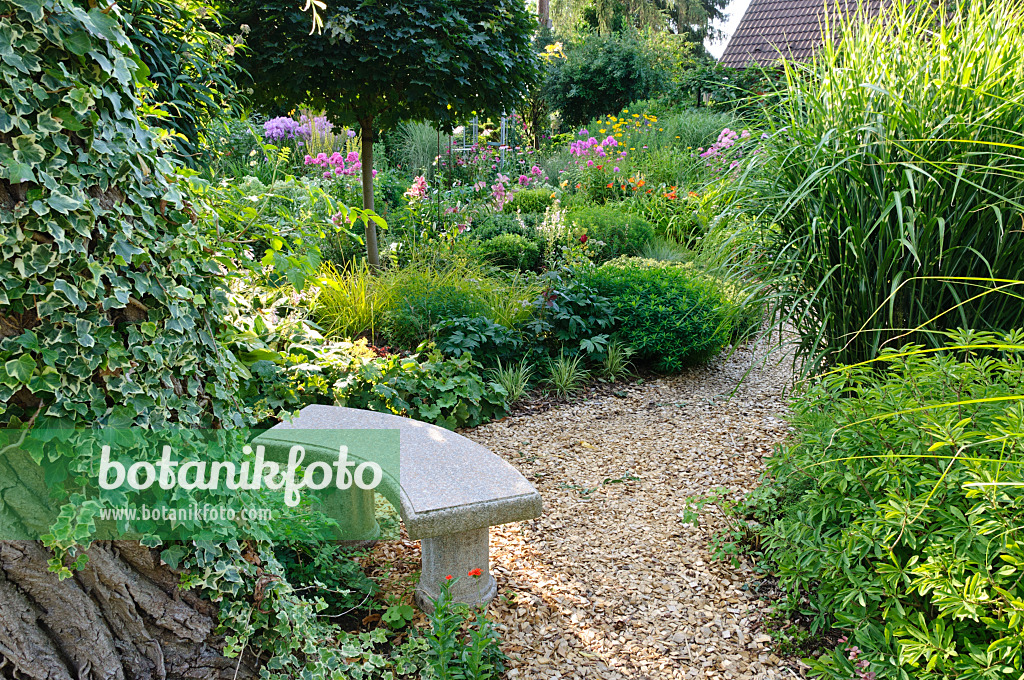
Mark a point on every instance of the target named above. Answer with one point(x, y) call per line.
point(612, 582)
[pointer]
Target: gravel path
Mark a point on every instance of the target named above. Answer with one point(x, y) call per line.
point(611, 582)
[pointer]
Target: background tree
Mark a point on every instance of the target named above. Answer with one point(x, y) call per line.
point(377, 63)
point(602, 75)
point(692, 17)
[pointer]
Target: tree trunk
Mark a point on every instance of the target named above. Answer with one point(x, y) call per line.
point(366, 130)
point(544, 13)
point(121, 617)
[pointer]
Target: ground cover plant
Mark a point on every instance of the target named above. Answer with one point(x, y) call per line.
point(893, 513)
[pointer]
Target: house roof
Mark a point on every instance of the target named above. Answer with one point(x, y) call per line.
point(791, 29)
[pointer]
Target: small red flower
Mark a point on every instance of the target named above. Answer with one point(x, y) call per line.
point(449, 577)
point(475, 572)
point(583, 239)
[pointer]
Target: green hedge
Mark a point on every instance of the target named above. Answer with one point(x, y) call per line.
point(530, 201)
point(512, 251)
point(620, 232)
point(670, 314)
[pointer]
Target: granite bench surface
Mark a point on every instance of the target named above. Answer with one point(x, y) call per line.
point(447, 483)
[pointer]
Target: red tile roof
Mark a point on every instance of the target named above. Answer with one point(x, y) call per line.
point(772, 29)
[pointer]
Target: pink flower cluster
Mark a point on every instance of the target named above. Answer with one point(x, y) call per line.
point(500, 193)
point(852, 653)
point(336, 164)
point(536, 174)
point(726, 139)
point(587, 147)
point(418, 190)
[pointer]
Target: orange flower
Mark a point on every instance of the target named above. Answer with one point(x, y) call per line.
point(648, 191)
point(623, 187)
point(693, 194)
point(579, 186)
point(641, 183)
point(609, 185)
point(632, 179)
point(475, 572)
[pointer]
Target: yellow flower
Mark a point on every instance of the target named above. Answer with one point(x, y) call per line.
point(602, 131)
point(625, 110)
point(636, 115)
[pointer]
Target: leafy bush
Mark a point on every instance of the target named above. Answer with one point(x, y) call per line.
point(105, 265)
point(512, 251)
point(427, 387)
point(611, 232)
point(337, 577)
point(417, 298)
point(671, 315)
point(189, 61)
point(600, 75)
point(494, 225)
point(571, 314)
point(529, 201)
point(892, 179)
point(895, 511)
point(488, 342)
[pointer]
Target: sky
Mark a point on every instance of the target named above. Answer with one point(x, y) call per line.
point(734, 12)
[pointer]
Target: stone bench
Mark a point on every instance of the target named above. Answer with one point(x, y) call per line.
point(449, 493)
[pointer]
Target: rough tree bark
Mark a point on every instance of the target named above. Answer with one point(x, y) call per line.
point(121, 617)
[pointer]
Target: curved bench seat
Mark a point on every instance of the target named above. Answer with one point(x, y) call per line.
point(449, 491)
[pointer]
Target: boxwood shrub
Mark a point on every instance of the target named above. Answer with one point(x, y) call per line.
point(621, 233)
point(530, 201)
point(671, 314)
point(512, 251)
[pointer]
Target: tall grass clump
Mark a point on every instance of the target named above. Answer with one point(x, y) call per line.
point(418, 146)
point(894, 172)
point(348, 303)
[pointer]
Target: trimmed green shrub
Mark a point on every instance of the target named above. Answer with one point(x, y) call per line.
point(529, 201)
point(669, 313)
point(618, 232)
point(894, 511)
point(512, 251)
point(524, 224)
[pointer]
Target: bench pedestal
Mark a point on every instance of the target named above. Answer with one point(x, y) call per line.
point(456, 555)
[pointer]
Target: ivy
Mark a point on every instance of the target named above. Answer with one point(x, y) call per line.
point(111, 303)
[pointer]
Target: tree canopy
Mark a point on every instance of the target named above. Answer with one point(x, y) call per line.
point(378, 63)
point(430, 59)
